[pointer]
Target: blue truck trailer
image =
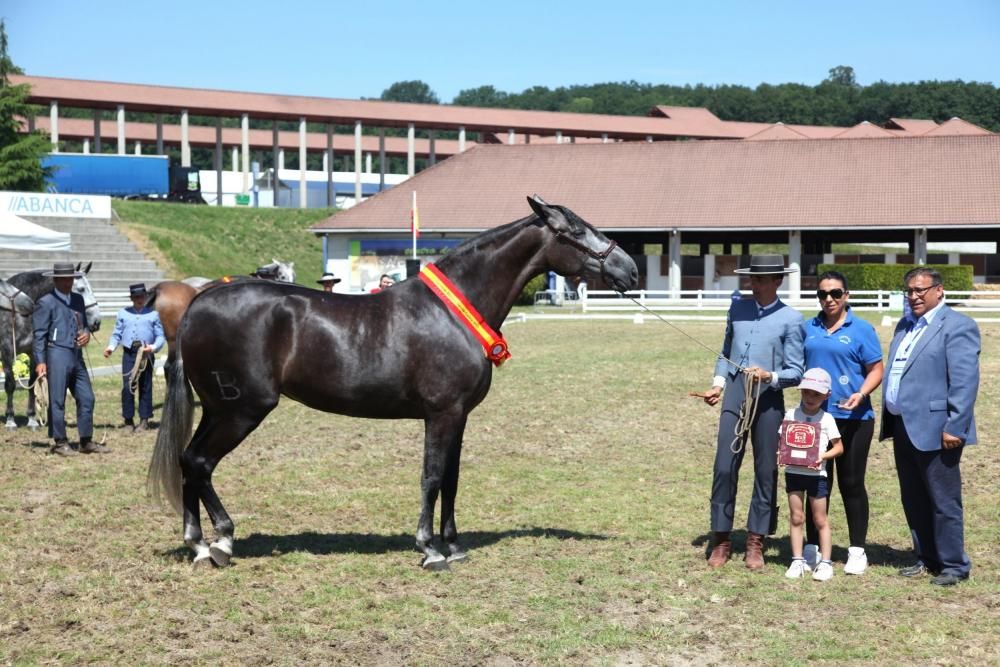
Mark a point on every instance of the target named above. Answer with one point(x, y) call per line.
point(127, 176)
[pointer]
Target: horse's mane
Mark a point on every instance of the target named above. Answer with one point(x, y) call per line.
point(490, 237)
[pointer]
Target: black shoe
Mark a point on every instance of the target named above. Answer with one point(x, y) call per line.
point(128, 423)
point(913, 571)
point(143, 425)
point(948, 579)
point(62, 448)
point(88, 446)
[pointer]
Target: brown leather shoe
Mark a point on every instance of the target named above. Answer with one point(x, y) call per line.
point(143, 425)
point(88, 446)
point(721, 548)
point(755, 551)
point(62, 448)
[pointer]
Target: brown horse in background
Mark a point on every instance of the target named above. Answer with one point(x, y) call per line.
point(170, 299)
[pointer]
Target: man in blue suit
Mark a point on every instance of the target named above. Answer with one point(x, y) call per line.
point(60, 328)
point(764, 341)
point(930, 393)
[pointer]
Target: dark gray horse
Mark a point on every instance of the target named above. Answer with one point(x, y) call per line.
point(33, 285)
point(16, 308)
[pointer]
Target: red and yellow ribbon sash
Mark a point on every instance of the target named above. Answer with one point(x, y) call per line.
point(493, 343)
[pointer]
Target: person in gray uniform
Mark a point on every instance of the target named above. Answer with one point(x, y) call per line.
point(764, 337)
point(60, 329)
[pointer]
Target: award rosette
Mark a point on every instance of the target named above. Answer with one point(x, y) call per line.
point(799, 444)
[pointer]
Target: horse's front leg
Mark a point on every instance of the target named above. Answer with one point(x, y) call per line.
point(449, 490)
point(439, 435)
point(9, 384)
point(33, 423)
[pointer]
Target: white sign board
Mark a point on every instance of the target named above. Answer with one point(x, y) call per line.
point(45, 205)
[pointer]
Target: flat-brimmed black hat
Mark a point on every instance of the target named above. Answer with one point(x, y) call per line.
point(138, 289)
point(765, 265)
point(63, 270)
point(328, 278)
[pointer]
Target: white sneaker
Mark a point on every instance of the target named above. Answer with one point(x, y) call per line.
point(811, 554)
point(823, 571)
point(797, 569)
point(857, 561)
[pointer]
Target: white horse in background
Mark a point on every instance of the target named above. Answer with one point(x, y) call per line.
point(282, 272)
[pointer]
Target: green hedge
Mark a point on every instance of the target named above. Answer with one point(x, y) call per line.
point(861, 277)
point(536, 284)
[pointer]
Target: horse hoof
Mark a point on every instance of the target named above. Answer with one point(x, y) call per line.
point(436, 563)
point(458, 557)
point(220, 554)
point(204, 562)
point(33, 425)
point(11, 426)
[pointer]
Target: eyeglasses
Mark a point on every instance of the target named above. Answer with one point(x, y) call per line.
point(919, 291)
point(834, 293)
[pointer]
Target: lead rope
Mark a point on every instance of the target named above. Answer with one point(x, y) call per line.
point(751, 392)
point(141, 362)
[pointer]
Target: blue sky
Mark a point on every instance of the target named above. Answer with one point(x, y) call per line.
point(351, 50)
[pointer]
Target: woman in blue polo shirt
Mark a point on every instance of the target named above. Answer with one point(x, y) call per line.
point(848, 349)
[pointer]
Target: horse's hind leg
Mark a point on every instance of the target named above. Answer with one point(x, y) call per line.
point(439, 439)
point(32, 403)
point(215, 437)
point(8, 385)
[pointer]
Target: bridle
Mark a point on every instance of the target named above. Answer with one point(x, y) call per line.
point(601, 257)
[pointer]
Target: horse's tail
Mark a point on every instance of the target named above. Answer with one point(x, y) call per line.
point(151, 297)
point(164, 476)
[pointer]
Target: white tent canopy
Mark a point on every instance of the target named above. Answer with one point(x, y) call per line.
point(19, 234)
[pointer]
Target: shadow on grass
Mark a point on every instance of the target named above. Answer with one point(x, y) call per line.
point(878, 554)
point(260, 545)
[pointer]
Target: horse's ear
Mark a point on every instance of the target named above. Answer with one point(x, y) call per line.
point(87, 270)
point(78, 265)
point(550, 215)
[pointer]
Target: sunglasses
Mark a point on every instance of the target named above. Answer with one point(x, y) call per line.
point(920, 291)
point(834, 293)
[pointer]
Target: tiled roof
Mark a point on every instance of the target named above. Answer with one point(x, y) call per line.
point(915, 126)
point(956, 126)
point(864, 130)
point(913, 181)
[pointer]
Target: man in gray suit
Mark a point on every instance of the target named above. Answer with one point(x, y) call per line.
point(60, 333)
point(764, 338)
point(930, 392)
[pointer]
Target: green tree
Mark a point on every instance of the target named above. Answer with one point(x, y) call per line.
point(416, 92)
point(20, 153)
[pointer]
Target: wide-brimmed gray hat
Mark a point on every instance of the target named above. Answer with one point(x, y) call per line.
point(63, 270)
point(328, 278)
point(765, 265)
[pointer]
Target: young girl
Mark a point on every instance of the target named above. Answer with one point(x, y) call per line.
point(799, 480)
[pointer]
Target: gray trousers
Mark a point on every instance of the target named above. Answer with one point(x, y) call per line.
point(65, 369)
point(763, 514)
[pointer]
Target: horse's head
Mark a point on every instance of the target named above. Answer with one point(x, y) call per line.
point(16, 301)
point(284, 271)
point(577, 248)
point(82, 287)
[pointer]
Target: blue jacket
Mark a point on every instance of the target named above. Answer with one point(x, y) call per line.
point(56, 324)
point(938, 387)
point(772, 341)
point(143, 326)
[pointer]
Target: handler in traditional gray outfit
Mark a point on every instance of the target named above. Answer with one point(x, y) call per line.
point(60, 327)
point(763, 336)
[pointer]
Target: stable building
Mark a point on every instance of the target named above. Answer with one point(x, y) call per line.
point(867, 186)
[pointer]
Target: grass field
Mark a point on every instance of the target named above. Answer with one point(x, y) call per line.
point(583, 501)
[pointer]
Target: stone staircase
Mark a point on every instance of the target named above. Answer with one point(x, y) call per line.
point(117, 263)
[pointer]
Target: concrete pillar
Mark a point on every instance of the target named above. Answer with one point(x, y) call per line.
point(708, 272)
point(277, 158)
point(920, 246)
point(433, 153)
point(511, 137)
point(122, 148)
point(218, 161)
point(461, 139)
point(54, 124)
point(649, 138)
point(368, 163)
point(245, 149)
point(303, 187)
point(381, 160)
point(281, 159)
point(236, 163)
point(97, 131)
point(357, 160)
point(185, 140)
point(675, 264)
point(411, 159)
point(558, 136)
point(159, 134)
point(138, 148)
point(795, 262)
point(331, 194)
point(604, 137)
point(86, 146)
